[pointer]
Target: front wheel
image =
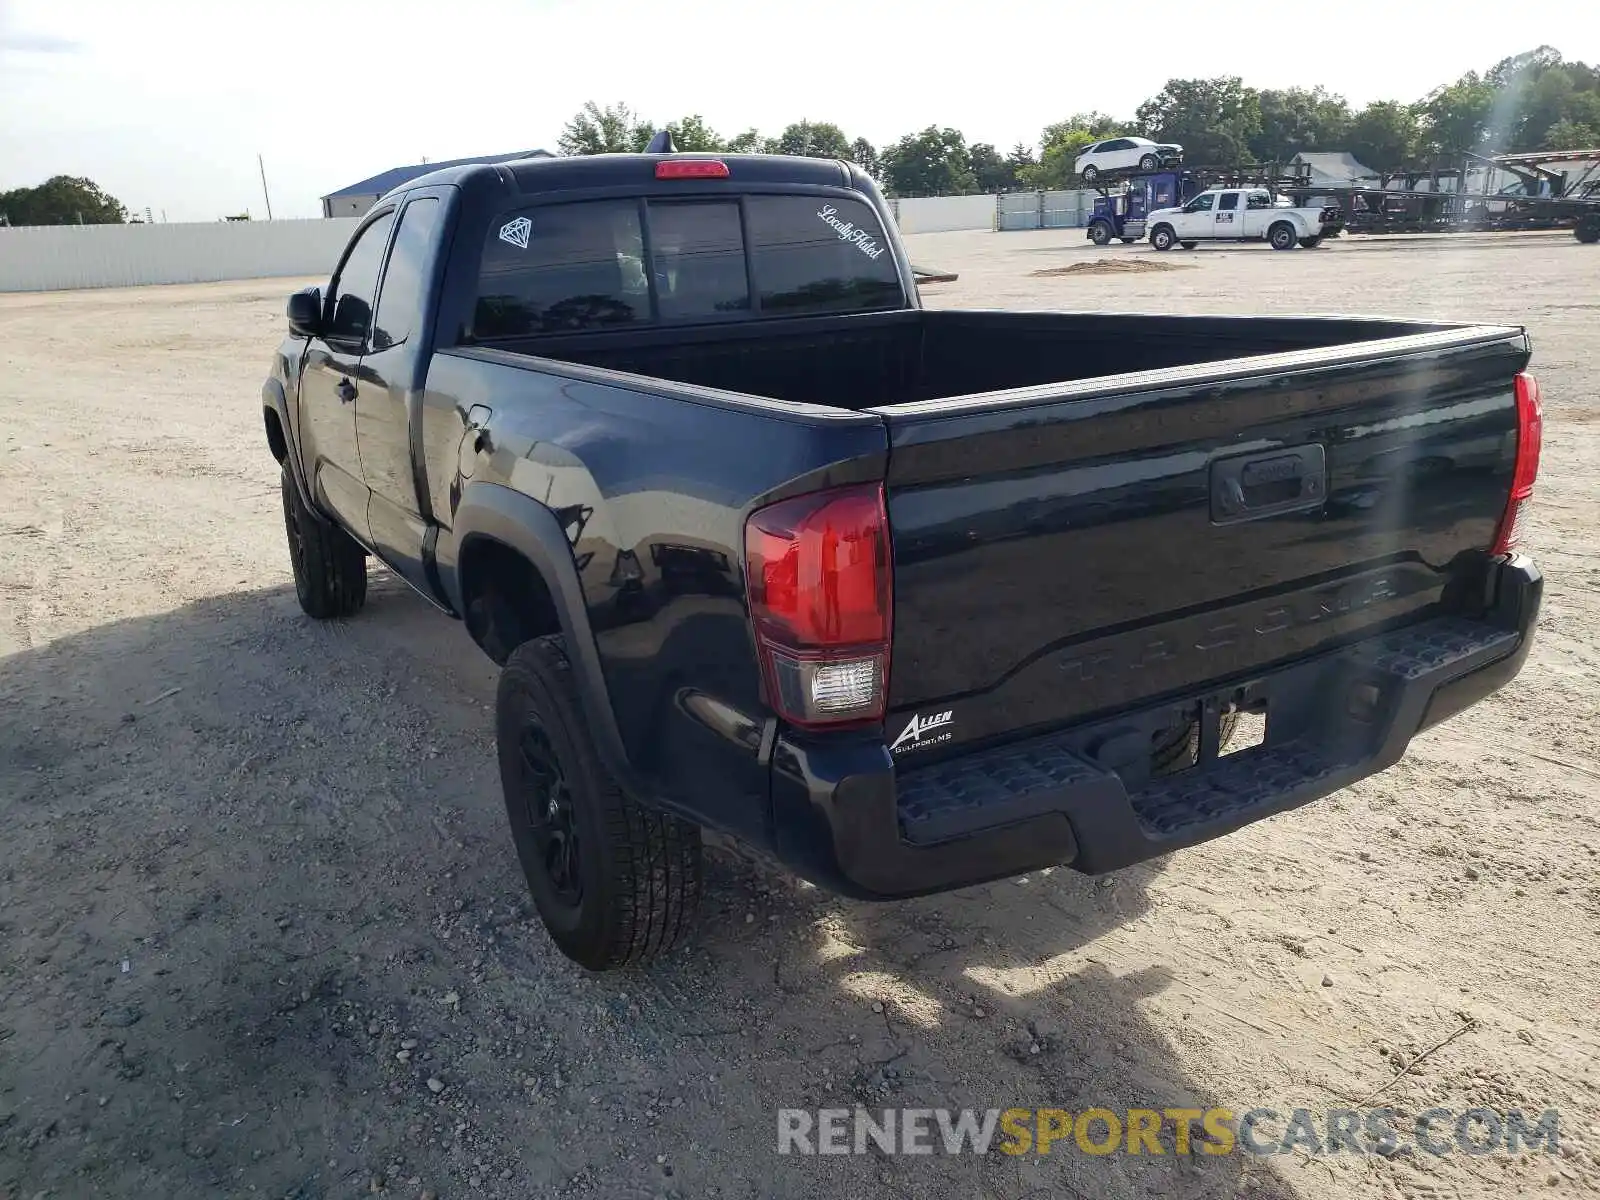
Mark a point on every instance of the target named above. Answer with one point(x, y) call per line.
point(1149, 163)
point(330, 567)
point(1100, 233)
point(1311, 243)
point(1162, 237)
point(615, 883)
point(1282, 236)
point(1090, 173)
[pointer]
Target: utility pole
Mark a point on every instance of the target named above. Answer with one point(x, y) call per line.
point(266, 195)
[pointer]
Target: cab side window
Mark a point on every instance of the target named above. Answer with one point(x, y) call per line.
point(1229, 201)
point(401, 302)
point(356, 286)
point(1258, 200)
point(1201, 203)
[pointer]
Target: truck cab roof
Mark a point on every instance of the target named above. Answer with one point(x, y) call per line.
point(635, 172)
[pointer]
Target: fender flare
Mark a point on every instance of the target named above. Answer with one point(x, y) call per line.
point(274, 399)
point(495, 512)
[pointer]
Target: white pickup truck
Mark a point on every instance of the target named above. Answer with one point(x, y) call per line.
point(1242, 214)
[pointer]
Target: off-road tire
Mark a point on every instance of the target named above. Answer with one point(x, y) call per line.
point(1282, 236)
point(1162, 237)
point(639, 870)
point(330, 567)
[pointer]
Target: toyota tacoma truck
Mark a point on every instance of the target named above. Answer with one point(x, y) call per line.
point(905, 600)
point(1242, 214)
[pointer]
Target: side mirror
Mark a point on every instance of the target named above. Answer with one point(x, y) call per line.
point(305, 312)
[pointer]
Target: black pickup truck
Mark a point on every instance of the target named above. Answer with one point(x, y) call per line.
point(904, 599)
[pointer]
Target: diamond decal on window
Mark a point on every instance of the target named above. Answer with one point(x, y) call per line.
point(516, 232)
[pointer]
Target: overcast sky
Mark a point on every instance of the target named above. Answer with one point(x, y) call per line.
point(166, 103)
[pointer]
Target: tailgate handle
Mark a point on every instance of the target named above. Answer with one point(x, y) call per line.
point(1251, 486)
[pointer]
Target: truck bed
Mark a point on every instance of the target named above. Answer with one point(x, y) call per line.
point(876, 359)
point(1095, 511)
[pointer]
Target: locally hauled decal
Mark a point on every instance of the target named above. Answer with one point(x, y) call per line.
point(920, 732)
point(849, 232)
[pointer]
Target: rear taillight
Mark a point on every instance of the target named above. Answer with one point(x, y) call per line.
point(692, 168)
point(817, 578)
point(1530, 433)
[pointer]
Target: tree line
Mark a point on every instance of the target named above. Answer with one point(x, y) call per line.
point(1531, 101)
point(61, 200)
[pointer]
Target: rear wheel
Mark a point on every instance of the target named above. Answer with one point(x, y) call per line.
point(1100, 233)
point(1190, 245)
point(1149, 163)
point(1311, 243)
point(614, 882)
point(1090, 173)
point(330, 567)
point(1282, 236)
point(1162, 237)
point(1588, 230)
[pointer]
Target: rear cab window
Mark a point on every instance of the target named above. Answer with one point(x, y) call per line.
point(562, 267)
point(597, 264)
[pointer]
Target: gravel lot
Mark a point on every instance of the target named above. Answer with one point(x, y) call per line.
point(262, 931)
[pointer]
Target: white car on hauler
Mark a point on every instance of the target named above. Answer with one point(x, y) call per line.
point(1240, 215)
point(1124, 154)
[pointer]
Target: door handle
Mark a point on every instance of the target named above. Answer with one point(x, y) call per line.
point(346, 390)
point(1286, 480)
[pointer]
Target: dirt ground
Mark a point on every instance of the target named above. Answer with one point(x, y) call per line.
point(262, 931)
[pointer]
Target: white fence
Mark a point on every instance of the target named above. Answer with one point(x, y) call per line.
point(1011, 210)
point(940, 214)
point(46, 257)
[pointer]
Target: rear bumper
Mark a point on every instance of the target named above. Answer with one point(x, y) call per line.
point(844, 819)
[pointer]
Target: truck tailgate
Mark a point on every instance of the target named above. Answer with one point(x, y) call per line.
point(1072, 550)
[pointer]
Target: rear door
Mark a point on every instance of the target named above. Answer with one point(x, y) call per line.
point(1226, 223)
point(1081, 549)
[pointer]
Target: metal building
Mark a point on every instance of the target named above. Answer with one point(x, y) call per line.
point(354, 200)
